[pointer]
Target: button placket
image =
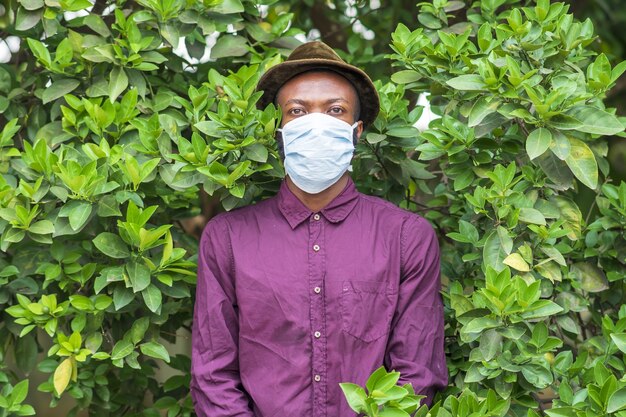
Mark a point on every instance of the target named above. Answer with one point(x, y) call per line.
point(317, 265)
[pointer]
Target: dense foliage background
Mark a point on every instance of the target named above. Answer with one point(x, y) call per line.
point(121, 133)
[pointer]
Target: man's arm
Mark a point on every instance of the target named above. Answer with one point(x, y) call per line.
point(415, 347)
point(215, 382)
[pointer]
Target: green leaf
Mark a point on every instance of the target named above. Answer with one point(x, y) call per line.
point(387, 381)
point(538, 142)
point(122, 349)
point(468, 82)
point(537, 375)
point(62, 375)
point(531, 215)
point(617, 401)
point(79, 215)
point(564, 122)
point(152, 297)
point(355, 396)
point(26, 19)
point(617, 71)
point(490, 344)
point(171, 32)
point(155, 350)
point(42, 227)
point(560, 145)
point(74, 5)
point(541, 308)
point(122, 297)
point(374, 138)
point(7, 133)
point(596, 121)
point(101, 302)
point(138, 329)
point(95, 23)
point(139, 275)
point(591, 278)
point(228, 7)
point(81, 302)
point(582, 162)
point(497, 247)
point(403, 132)
point(229, 46)
point(375, 376)
point(118, 82)
point(108, 207)
point(20, 390)
point(32, 4)
point(111, 245)
point(59, 89)
point(389, 411)
point(620, 341)
point(482, 108)
point(5, 87)
point(556, 170)
point(405, 76)
point(554, 254)
point(256, 152)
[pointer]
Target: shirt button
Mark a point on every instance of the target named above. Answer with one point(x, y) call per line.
point(317, 378)
point(317, 335)
point(316, 216)
point(316, 248)
point(317, 290)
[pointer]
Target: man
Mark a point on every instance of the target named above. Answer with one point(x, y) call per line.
point(319, 284)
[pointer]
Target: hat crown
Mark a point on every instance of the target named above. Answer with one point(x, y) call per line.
point(319, 56)
point(314, 50)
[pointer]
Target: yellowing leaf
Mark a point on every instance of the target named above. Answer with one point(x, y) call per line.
point(583, 163)
point(62, 375)
point(516, 262)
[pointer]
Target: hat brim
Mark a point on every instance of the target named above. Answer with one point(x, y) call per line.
point(271, 82)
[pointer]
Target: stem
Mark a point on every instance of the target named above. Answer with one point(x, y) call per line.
point(594, 203)
point(582, 326)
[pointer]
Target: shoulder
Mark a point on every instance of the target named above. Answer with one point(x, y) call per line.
point(411, 228)
point(394, 213)
point(240, 217)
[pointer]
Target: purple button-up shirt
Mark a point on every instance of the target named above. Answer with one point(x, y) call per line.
point(290, 303)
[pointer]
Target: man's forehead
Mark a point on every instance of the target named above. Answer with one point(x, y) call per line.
point(301, 84)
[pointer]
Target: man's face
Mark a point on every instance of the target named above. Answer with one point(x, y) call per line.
point(319, 92)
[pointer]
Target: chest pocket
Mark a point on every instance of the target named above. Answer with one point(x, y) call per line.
point(367, 309)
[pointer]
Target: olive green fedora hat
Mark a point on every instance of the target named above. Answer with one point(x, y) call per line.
point(317, 55)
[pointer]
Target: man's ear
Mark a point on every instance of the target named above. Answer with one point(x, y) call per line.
point(359, 128)
point(358, 131)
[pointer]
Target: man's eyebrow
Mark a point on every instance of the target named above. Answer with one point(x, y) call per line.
point(295, 101)
point(304, 102)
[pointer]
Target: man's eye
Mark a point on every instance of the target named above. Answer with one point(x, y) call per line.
point(336, 110)
point(296, 112)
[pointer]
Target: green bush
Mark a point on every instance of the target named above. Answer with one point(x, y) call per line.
point(111, 140)
point(534, 288)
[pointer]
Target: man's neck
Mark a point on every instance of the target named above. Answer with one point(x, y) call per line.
point(316, 202)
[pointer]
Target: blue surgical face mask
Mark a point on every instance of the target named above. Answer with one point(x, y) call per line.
point(318, 150)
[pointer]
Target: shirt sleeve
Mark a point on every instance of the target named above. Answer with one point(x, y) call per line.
point(216, 387)
point(415, 347)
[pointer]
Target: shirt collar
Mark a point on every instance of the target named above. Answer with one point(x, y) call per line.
point(295, 212)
